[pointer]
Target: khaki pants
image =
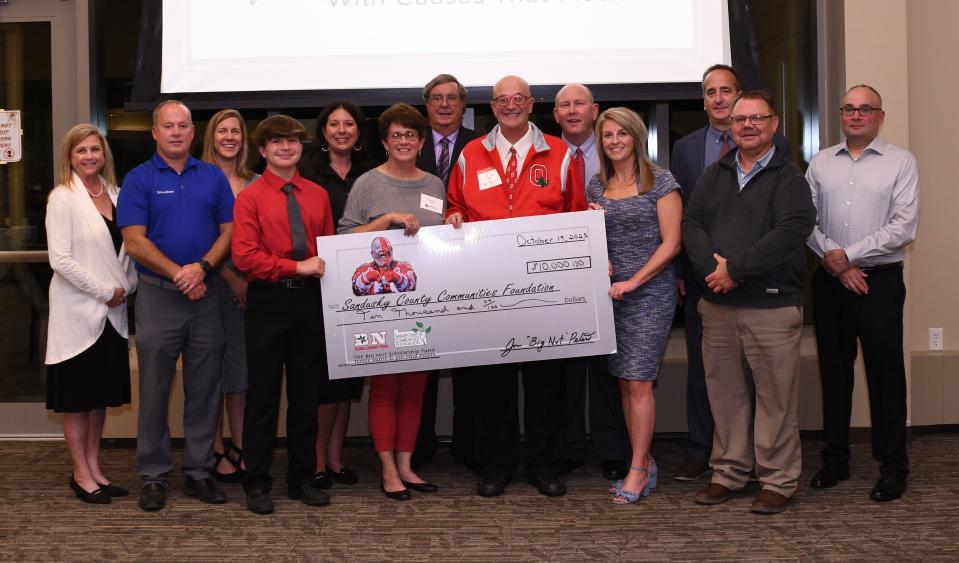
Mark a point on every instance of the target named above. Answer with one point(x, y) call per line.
point(745, 349)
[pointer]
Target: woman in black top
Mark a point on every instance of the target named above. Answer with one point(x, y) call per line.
point(335, 160)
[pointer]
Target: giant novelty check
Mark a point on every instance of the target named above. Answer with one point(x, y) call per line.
point(512, 290)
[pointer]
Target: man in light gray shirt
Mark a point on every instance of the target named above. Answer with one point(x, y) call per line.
point(866, 192)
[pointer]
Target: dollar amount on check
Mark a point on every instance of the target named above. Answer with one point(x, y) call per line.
point(512, 290)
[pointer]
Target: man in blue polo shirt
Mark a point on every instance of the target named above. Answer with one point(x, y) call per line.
point(176, 214)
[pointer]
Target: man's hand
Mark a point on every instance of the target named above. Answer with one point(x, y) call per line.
point(119, 297)
point(835, 261)
point(196, 292)
point(371, 276)
point(311, 267)
point(719, 281)
point(455, 219)
point(681, 288)
point(189, 277)
point(389, 277)
point(408, 221)
point(854, 280)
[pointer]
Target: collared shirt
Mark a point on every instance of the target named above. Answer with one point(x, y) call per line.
point(867, 206)
point(522, 146)
point(438, 148)
point(590, 156)
point(714, 138)
point(262, 244)
point(182, 211)
point(745, 177)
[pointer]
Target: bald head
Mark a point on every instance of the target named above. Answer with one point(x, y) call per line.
point(509, 85)
point(575, 112)
point(574, 90)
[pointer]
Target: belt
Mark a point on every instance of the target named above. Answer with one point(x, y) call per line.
point(288, 283)
point(879, 267)
point(159, 282)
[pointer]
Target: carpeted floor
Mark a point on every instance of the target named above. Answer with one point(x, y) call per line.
point(41, 520)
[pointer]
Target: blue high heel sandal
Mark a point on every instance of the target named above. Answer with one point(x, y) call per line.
point(629, 497)
point(653, 471)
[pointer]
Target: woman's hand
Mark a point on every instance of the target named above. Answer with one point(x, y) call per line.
point(119, 297)
point(619, 289)
point(408, 221)
point(595, 207)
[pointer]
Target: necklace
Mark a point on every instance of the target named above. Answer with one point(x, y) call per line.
point(95, 195)
point(341, 173)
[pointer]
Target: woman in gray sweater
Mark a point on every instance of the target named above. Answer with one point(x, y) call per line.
point(395, 195)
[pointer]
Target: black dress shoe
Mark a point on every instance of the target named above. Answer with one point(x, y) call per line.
point(492, 485)
point(614, 469)
point(549, 486)
point(98, 496)
point(396, 495)
point(203, 489)
point(308, 494)
point(889, 487)
point(112, 490)
point(425, 487)
point(152, 497)
point(321, 480)
point(345, 476)
point(567, 466)
point(259, 502)
point(829, 476)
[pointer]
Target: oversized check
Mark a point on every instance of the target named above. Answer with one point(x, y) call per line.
point(512, 290)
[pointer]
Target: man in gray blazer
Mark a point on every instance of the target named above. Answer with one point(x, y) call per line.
point(690, 156)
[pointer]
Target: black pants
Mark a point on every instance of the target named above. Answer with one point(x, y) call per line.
point(574, 418)
point(283, 327)
point(607, 426)
point(699, 417)
point(875, 319)
point(462, 443)
point(496, 416)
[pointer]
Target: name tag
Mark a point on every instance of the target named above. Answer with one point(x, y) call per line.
point(431, 203)
point(165, 192)
point(488, 178)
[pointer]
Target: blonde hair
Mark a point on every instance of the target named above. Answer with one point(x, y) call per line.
point(630, 121)
point(76, 135)
point(209, 149)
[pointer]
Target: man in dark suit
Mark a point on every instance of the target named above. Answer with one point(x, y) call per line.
point(690, 156)
point(445, 101)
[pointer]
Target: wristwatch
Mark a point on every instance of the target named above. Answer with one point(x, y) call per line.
point(205, 266)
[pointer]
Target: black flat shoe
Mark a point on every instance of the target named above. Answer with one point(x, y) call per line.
point(396, 495)
point(322, 481)
point(345, 476)
point(425, 487)
point(112, 490)
point(98, 496)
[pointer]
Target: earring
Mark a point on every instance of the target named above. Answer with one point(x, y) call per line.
point(325, 148)
point(387, 153)
point(357, 147)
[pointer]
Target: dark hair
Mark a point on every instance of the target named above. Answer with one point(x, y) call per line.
point(278, 127)
point(402, 114)
point(443, 79)
point(728, 69)
point(756, 95)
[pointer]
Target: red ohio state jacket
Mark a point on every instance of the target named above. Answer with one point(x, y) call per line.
point(546, 184)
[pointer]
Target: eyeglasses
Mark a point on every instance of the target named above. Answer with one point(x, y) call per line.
point(440, 98)
point(864, 111)
point(518, 99)
point(756, 119)
point(408, 135)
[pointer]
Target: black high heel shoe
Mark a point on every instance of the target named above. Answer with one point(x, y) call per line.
point(112, 490)
point(237, 462)
point(96, 497)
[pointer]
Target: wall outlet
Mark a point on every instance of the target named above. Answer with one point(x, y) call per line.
point(935, 339)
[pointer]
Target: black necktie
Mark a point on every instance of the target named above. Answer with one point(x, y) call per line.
point(443, 165)
point(297, 230)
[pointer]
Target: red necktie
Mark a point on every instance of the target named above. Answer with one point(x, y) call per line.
point(511, 174)
point(580, 163)
point(723, 144)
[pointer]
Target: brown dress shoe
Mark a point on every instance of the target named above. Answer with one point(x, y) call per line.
point(770, 502)
point(691, 470)
point(714, 494)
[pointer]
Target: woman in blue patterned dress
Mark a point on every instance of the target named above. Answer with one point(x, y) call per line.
point(643, 214)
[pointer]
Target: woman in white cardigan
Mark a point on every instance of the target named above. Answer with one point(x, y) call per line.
point(88, 366)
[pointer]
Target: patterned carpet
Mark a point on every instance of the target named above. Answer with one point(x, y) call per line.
point(41, 520)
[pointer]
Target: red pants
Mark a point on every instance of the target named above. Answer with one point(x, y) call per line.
point(396, 403)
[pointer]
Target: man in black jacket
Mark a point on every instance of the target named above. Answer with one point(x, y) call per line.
point(745, 230)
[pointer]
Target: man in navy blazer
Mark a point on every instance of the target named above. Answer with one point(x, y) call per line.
point(445, 101)
point(690, 156)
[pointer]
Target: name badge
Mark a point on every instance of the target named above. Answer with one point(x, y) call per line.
point(431, 203)
point(488, 178)
point(165, 192)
